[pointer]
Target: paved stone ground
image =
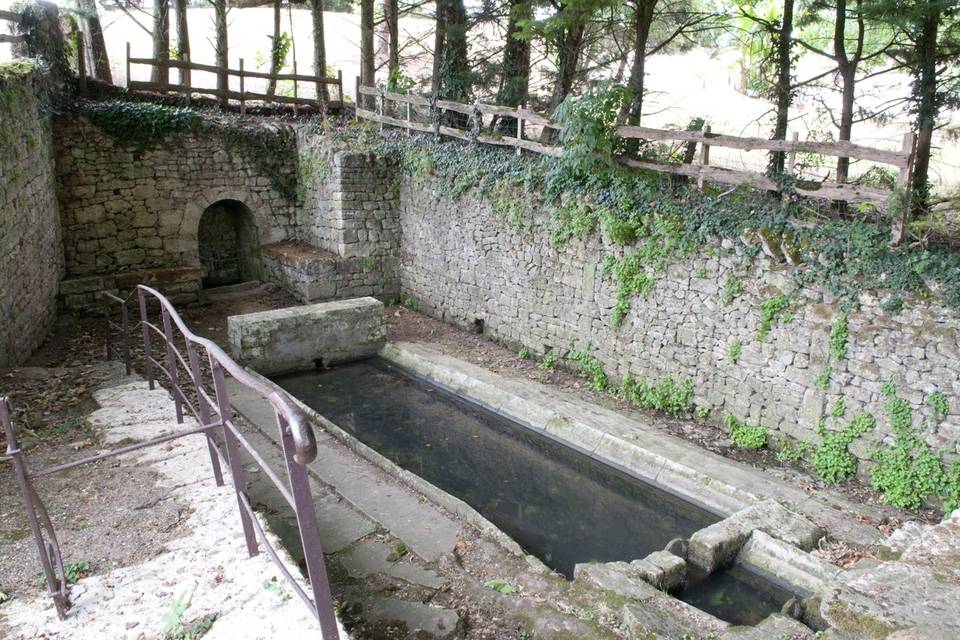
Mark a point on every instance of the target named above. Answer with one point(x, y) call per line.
point(209, 565)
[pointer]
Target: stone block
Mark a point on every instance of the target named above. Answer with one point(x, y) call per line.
point(304, 337)
point(662, 569)
point(717, 545)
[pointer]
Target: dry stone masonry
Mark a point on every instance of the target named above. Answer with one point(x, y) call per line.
point(31, 252)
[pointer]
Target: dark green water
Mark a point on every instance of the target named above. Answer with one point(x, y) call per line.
point(557, 503)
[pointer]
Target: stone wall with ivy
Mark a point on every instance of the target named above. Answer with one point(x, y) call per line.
point(134, 179)
point(719, 317)
point(31, 258)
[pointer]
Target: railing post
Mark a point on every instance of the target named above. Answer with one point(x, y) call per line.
point(704, 158)
point(147, 364)
point(903, 184)
point(172, 363)
point(204, 408)
point(243, 103)
point(233, 459)
point(340, 88)
point(49, 552)
point(128, 65)
point(294, 86)
point(309, 534)
point(409, 120)
point(357, 107)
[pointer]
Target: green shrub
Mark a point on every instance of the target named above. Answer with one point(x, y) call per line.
point(838, 336)
point(549, 360)
point(770, 311)
point(746, 436)
point(735, 351)
point(832, 459)
point(665, 395)
point(590, 369)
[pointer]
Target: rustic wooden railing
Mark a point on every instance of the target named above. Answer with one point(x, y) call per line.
point(224, 93)
point(10, 16)
point(410, 107)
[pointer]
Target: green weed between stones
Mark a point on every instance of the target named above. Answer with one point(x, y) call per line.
point(832, 459)
point(590, 369)
point(735, 351)
point(771, 309)
point(746, 436)
point(667, 395)
point(909, 472)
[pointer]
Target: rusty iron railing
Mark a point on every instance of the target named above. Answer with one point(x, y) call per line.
point(197, 382)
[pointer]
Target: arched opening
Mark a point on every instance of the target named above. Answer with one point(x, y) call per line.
point(229, 244)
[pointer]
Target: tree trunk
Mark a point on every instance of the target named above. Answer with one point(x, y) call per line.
point(439, 40)
point(161, 41)
point(183, 39)
point(569, 45)
point(275, 48)
point(455, 81)
point(927, 107)
point(782, 91)
point(642, 19)
point(391, 14)
point(319, 49)
point(515, 72)
point(221, 47)
point(98, 48)
point(367, 67)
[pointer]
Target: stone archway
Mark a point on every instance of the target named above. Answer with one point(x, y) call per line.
point(229, 244)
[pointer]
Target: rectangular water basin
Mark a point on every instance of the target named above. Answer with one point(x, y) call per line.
point(557, 503)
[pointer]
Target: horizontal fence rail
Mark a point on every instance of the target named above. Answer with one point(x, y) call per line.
point(224, 93)
point(418, 113)
point(196, 370)
point(11, 16)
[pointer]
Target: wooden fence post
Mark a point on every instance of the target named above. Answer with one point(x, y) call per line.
point(704, 159)
point(905, 187)
point(519, 128)
point(340, 89)
point(381, 99)
point(243, 101)
point(81, 64)
point(128, 66)
point(792, 158)
point(409, 121)
point(357, 107)
point(294, 86)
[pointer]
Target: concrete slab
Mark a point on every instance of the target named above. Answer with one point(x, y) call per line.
point(420, 619)
point(424, 528)
point(805, 571)
point(370, 558)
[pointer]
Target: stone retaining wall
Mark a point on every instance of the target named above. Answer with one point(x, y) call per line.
point(31, 256)
point(460, 263)
point(125, 209)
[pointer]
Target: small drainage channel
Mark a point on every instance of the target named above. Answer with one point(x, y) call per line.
point(557, 503)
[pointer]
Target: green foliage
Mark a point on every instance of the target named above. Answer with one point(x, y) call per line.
point(770, 310)
point(793, 453)
point(574, 219)
point(76, 570)
point(399, 82)
point(142, 125)
point(735, 350)
point(674, 398)
point(588, 127)
point(400, 550)
point(500, 586)
point(700, 272)
point(822, 380)
point(938, 405)
point(832, 459)
point(590, 369)
point(524, 353)
point(838, 336)
point(174, 628)
point(746, 436)
point(632, 279)
point(549, 360)
point(909, 471)
point(839, 408)
point(732, 287)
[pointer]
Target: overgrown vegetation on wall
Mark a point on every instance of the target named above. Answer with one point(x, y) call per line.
point(144, 125)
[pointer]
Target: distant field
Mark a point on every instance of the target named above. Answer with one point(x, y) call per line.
point(683, 86)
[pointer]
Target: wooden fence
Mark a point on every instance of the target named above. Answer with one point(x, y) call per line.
point(410, 107)
point(242, 95)
point(10, 16)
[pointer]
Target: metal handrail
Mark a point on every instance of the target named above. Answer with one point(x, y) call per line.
point(213, 411)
